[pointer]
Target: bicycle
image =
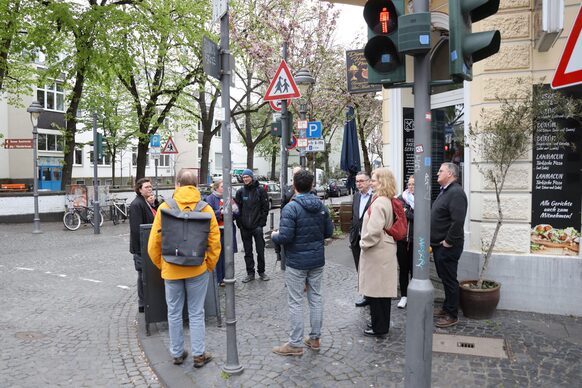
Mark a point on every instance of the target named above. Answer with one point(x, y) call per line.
point(73, 217)
point(118, 209)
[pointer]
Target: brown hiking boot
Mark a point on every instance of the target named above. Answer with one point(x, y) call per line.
point(312, 343)
point(439, 312)
point(179, 360)
point(201, 360)
point(446, 321)
point(287, 350)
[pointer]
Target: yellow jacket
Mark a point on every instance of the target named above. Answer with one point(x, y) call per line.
point(185, 195)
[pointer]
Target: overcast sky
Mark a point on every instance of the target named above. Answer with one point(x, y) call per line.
point(350, 23)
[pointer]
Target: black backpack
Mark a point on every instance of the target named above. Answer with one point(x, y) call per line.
point(185, 234)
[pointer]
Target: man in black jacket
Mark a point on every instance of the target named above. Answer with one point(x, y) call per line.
point(447, 239)
point(253, 204)
point(360, 204)
point(140, 212)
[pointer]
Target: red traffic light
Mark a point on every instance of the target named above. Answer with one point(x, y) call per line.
point(381, 16)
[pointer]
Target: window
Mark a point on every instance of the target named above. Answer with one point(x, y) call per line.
point(218, 161)
point(78, 158)
point(134, 157)
point(50, 142)
point(199, 154)
point(51, 96)
point(164, 161)
point(105, 160)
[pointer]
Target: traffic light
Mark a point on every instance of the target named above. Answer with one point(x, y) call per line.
point(276, 129)
point(468, 47)
point(99, 146)
point(385, 63)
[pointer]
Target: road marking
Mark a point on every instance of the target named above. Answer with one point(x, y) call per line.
point(91, 280)
point(24, 269)
point(123, 287)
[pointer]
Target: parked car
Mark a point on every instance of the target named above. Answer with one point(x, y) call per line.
point(274, 192)
point(322, 191)
point(337, 189)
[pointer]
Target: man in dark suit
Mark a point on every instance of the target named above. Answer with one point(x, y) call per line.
point(359, 206)
point(140, 212)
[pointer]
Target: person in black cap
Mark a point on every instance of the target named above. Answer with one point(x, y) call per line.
point(253, 204)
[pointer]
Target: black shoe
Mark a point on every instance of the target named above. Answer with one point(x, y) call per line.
point(180, 360)
point(369, 325)
point(141, 309)
point(362, 303)
point(249, 278)
point(264, 277)
point(371, 333)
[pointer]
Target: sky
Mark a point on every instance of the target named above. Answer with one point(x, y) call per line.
point(350, 23)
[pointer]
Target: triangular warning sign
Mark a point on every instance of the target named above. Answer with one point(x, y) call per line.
point(282, 85)
point(569, 71)
point(169, 147)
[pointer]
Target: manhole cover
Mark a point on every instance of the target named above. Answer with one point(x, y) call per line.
point(471, 346)
point(29, 335)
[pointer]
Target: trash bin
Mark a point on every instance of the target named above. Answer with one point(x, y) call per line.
point(345, 216)
point(155, 309)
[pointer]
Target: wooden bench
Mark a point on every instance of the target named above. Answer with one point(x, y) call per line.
point(13, 187)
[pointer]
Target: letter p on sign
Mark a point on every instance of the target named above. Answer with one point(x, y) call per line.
point(313, 130)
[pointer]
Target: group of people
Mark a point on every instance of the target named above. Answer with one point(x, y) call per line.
point(305, 223)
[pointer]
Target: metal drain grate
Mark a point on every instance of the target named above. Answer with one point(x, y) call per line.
point(471, 346)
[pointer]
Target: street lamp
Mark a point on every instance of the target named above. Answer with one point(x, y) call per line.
point(35, 109)
point(304, 81)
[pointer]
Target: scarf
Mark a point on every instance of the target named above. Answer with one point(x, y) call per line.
point(217, 194)
point(408, 198)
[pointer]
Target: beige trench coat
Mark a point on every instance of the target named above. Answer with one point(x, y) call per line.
point(378, 274)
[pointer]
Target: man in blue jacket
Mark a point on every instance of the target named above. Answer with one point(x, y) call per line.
point(305, 224)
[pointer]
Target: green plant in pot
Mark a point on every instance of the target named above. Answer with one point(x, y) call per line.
point(498, 142)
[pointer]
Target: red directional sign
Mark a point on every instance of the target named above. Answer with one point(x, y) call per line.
point(18, 144)
point(569, 71)
point(282, 85)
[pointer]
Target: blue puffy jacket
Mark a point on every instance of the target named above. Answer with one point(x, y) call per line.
point(305, 223)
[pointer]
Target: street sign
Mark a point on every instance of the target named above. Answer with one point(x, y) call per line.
point(314, 145)
point(219, 8)
point(302, 124)
point(282, 85)
point(313, 130)
point(293, 143)
point(170, 147)
point(302, 142)
point(276, 105)
point(155, 140)
point(210, 58)
point(569, 71)
point(155, 152)
point(18, 144)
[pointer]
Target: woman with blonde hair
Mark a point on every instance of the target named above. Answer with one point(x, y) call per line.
point(377, 278)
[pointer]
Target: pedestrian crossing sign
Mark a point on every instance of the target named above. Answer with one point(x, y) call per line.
point(170, 147)
point(282, 85)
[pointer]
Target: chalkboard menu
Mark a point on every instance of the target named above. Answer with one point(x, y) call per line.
point(407, 144)
point(557, 184)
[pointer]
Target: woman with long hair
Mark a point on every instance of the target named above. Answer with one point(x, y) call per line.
point(377, 277)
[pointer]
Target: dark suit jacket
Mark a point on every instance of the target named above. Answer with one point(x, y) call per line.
point(139, 213)
point(356, 226)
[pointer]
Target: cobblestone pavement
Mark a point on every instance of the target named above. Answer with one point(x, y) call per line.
point(68, 309)
point(544, 350)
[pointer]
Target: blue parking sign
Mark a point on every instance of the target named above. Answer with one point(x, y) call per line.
point(313, 130)
point(155, 140)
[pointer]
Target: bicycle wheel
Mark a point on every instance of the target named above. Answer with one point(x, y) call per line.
point(72, 220)
point(90, 217)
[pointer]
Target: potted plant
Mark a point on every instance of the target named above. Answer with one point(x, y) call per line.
point(498, 142)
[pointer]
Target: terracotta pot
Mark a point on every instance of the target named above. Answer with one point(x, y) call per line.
point(478, 303)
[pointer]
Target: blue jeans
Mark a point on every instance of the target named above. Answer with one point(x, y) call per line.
point(194, 289)
point(296, 279)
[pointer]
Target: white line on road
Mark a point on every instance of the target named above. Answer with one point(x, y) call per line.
point(123, 287)
point(91, 280)
point(24, 269)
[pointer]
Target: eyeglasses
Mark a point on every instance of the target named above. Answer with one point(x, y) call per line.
point(361, 180)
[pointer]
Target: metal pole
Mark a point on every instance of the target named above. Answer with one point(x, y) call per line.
point(36, 219)
point(303, 117)
point(96, 218)
point(156, 164)
point(419, 324)
point(232, 365)
point(284, 151)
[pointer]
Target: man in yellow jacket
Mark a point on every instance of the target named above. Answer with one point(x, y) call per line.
point(186, 282)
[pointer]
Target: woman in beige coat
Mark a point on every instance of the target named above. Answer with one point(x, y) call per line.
point(378, 264)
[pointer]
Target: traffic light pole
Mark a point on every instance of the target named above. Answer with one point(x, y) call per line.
point(419, 322)
point(232, 365)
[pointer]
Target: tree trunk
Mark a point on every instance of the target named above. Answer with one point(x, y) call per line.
point(71, 127)
point(142, 153)
point(205, 157)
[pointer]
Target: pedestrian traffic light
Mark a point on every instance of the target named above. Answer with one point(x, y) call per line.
point(385, 63)
point(276, 129)
point(468, 47)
